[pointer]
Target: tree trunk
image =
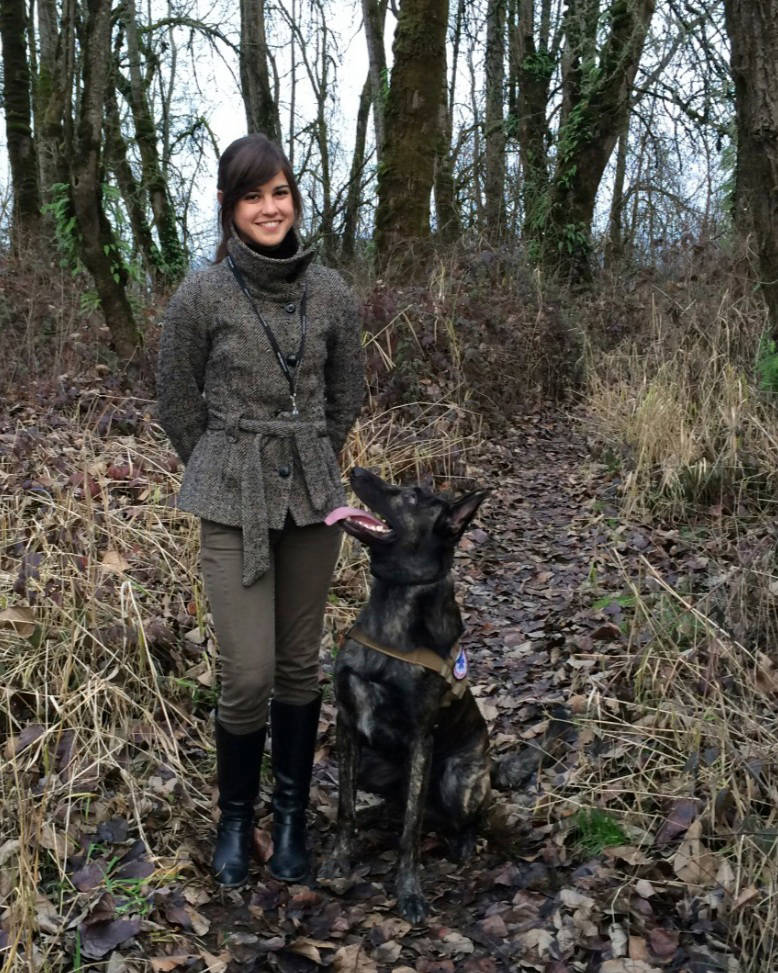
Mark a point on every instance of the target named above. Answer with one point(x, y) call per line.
point(54, 125)
point(753, 31)
point(533, 68)
point(407, 172)
point(117, 161)
point(153, 179)
point(99, 250)
point(614, 247)
point(494, 138)
point(595, 108)
point(446, 210)
point(374, 17)
point(22, 154)
point(261, 107)
point(354, 191)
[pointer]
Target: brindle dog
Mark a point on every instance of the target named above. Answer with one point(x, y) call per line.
point(401, 728)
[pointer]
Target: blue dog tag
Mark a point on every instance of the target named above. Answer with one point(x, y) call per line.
point(460, 665)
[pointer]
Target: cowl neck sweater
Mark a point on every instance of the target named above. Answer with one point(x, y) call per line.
point(279, 278)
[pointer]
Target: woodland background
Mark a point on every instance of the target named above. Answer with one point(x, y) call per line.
point(562, 221)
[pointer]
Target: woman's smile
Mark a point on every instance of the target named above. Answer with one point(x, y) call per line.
point(265, 215)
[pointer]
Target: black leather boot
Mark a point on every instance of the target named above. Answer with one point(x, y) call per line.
point(293, 739)
point(238, 764)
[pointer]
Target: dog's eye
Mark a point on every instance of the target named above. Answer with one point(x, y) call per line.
point(410, 497)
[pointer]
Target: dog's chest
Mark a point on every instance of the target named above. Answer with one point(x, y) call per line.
point(382, 698)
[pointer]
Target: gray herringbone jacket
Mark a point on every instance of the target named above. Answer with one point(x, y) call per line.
point(224, 401)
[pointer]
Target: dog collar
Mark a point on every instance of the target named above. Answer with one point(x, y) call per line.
point(453, 669)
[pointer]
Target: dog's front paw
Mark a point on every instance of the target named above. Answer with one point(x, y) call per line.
point(337, 864)
point(412, 906)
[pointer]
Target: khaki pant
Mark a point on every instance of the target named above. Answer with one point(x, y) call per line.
point(269, 633)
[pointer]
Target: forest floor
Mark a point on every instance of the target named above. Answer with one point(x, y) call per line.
point(565, 876)
point(543, 579)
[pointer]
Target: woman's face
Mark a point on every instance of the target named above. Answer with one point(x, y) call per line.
point(266, 214)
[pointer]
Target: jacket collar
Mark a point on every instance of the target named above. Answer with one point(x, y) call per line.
point(274, 276)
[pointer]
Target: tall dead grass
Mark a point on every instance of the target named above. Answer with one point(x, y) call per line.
point(676, 404)
point(685, 720)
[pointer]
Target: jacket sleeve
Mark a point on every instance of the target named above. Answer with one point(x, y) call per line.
point(183, 353)
point(344, 373)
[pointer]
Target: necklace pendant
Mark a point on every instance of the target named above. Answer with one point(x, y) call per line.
point(295, 412)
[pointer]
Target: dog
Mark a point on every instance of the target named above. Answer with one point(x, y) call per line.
point(407, 722)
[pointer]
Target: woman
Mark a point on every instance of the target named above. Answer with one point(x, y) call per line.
point(259, 381)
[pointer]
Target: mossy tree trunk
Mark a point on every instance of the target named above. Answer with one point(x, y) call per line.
point(494, 136)
point(99, 250)
point(413, 119)
point(22, 154)
point(53, 99)
point(596, 100)
point(532, 63)
point(598, 58)
point(752, 26)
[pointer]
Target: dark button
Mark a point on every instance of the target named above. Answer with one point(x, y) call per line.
point(284, 471)
point(290, 308)
point(291, 360)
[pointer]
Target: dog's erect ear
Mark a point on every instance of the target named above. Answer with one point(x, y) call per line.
point(459, 514)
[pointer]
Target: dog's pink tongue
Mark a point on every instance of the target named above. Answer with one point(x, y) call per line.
point(341, 513)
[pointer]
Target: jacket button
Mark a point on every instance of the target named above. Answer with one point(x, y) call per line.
point(284, 471)
point(291, 308)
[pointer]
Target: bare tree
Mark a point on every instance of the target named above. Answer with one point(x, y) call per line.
point(413, 117)
point(753, 30)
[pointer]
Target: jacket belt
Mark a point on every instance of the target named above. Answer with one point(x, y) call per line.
point(253, 504)
point(421, 657)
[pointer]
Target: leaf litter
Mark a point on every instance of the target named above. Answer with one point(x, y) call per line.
point(592, 645)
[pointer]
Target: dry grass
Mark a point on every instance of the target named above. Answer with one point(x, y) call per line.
point(678, 398)
point(683, 726)
point(685, 720)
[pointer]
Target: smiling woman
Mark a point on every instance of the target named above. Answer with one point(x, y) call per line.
point(259, 381)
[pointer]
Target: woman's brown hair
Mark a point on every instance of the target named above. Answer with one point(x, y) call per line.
point(246, 163)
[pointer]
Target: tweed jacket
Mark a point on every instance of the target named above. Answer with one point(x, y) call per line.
point(224, 401)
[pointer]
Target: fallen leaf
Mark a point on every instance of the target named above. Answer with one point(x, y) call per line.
point(20, 619)
point(163, 964)
point(745, 896)
point(99, 938)
point(644, 888)
point(495, 926)
point(216, 964)
point(618, 938)
point(113, 562)
point(638, 949)
point(663, 942)
point(353, 959)
point(627, 966)
point(28, 736)
point(692, 862)
point(682, 812)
